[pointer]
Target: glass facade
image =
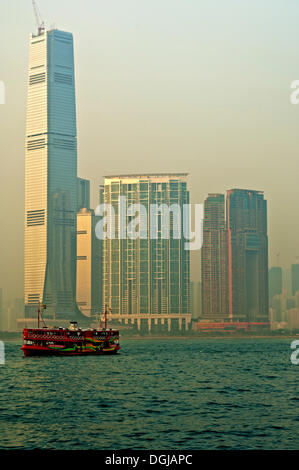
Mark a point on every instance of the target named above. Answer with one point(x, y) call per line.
point(51, 175)
point(248, 255)
point(214, 260)
point(142, 274)
point(275, 281)
point(89, 281)
point(295, 278)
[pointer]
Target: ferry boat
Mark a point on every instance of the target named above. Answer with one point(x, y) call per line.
point(72, 341)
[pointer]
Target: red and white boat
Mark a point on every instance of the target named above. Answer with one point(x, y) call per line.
point(72, 341)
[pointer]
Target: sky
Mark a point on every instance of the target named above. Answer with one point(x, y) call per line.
point(197, 86)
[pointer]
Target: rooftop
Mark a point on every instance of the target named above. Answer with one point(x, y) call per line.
point(149, 175)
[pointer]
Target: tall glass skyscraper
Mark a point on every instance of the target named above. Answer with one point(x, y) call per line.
point(275, 281)
point(214, 261)
point(247, 255)
point(295, 278)
point(51, 175)
point(2, 325)
point(145, 275)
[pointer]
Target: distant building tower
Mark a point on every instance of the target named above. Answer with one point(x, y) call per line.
point(192, 298)
point(83, 193)
point(101, 193)
point(2, 323)
point(287, 281)
point(275, 281)
point(51, 176)
point(196, 300)
point(101, 248)
point(88, 264)
point(199, 300)
point(295, 278)
point(214, 265)
point(146, 275)
point(16, 313)
point(247, 255)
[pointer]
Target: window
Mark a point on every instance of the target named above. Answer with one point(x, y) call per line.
point(37, 78)
point(36, 144)
point(63, 78)
point(35, 218)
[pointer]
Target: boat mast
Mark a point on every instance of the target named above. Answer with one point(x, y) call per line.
point(39, 313)
point(107, 310)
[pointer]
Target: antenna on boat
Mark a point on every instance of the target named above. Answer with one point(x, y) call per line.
point(106, 316)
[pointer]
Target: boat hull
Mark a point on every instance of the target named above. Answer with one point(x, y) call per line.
point(44, 351)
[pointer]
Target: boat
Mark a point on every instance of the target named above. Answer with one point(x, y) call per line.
point(72, 341)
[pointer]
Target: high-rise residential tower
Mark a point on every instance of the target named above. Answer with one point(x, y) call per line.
point(83, 193)
point(295, 278)
point(51, 175)
point(1, 310)
point(247, 256)
point(196, 300)
point(89, 285)
point(275, 281)
point(214, 260)
point(145, 275)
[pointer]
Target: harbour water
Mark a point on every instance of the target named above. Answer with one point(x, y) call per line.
point(170, 394)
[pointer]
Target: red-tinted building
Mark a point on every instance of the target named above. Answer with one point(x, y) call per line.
point(214, 266)
point(235, 260)
point(246, 218)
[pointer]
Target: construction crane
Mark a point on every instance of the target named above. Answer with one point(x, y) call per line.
point(39, 22)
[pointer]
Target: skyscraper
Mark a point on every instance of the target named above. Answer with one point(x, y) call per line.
point(247, 255)
point(214, 261)
point(51, 175)
point(89, 285)
point(275, 281)
point(196, 300)
point(83, 193)
point(146, 275)
point(1, 310)
point(295, 278)
point(287, 281)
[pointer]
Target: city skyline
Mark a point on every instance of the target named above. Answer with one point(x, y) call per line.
point(149, 274)
point(239, 167)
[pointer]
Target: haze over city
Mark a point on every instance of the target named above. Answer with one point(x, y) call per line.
point(177, 86)
point(123, 326)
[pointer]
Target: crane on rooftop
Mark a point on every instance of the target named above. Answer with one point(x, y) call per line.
point(39, 22)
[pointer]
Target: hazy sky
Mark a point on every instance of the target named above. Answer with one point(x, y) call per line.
point(200, 86)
